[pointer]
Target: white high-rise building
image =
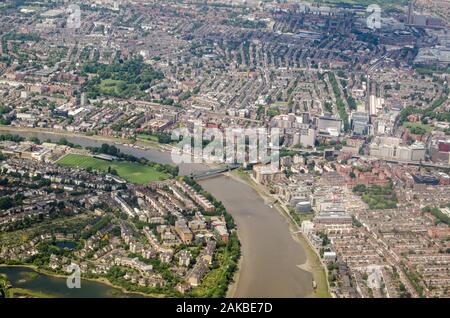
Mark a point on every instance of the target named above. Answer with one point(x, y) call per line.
point(375, 104)
point(391, 148)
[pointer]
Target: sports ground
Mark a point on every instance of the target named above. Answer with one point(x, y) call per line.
point(130, 171)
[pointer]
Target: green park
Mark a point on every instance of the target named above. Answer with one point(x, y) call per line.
point(130, 171)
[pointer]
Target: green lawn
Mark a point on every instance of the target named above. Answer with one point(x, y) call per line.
point(377, 197)
point(148, 137)
point(132, 172)
point(111, 87)
point(418, 128)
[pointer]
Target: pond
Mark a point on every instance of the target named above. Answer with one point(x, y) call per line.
point(66, 244)
point(27, 278)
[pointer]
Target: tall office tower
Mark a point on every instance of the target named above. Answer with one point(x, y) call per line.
point(368, 94)
point(411, 12)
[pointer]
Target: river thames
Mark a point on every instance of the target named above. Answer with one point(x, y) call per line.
point(270, 255)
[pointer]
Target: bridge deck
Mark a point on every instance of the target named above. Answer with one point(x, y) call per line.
point(213, 172)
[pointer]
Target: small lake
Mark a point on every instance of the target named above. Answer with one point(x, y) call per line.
point(66, 244)
point(24, 277)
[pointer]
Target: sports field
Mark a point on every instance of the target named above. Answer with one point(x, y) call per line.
point(132, 172)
